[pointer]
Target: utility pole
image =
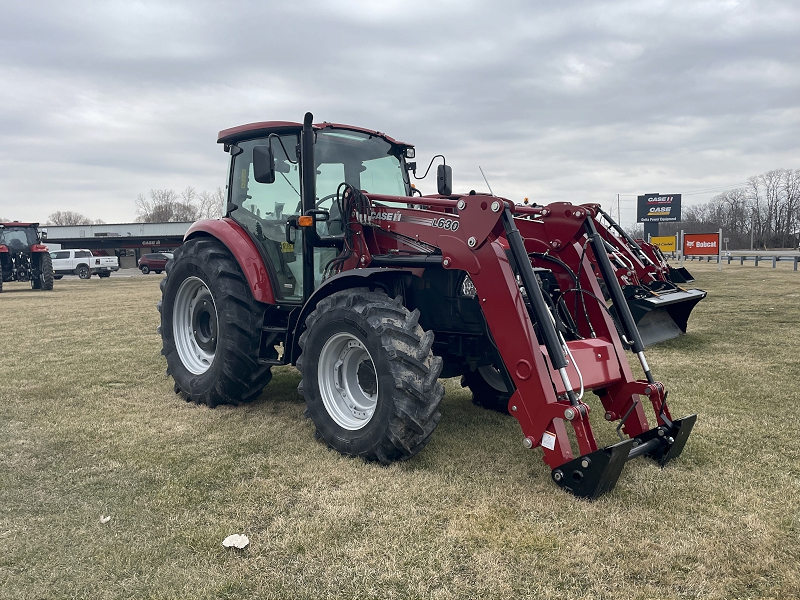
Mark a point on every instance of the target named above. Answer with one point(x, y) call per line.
point(619, 213)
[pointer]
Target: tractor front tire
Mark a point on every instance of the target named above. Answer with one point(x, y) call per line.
point(369, 377)
point(211, 326)
point(488, 388)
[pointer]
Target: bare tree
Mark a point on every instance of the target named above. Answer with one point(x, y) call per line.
point(211, 204)
point(68, 217)
point(765, 213)
point(165, 206)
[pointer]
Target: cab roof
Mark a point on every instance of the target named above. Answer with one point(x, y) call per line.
point(262, 128)
point(17, 224)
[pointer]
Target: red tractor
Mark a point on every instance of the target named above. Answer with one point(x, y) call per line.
point(23, 256)
point(328, 259)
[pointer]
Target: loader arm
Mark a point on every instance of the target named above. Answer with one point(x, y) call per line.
point(479, 235)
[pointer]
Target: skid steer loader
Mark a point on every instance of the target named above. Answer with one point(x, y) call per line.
point(330, 260)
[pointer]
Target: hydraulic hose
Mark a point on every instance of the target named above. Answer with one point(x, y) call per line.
point(535, 296)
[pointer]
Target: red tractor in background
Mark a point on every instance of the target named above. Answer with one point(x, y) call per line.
point(23, 256)
point(330, 260)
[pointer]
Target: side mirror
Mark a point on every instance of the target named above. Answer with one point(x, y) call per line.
point(444, 180)
point(43, 235)
point(263, 164)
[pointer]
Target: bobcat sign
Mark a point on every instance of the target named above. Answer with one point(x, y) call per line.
point(701, 244)
point(658, 208)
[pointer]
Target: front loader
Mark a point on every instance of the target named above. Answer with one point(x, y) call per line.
point(330, 260)
point(659, 304)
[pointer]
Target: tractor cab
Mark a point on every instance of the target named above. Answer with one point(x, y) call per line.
point(266, 192)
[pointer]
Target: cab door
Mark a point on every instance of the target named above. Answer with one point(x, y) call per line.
point(263, 209)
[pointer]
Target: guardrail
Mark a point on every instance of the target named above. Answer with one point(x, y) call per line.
point(755, 258)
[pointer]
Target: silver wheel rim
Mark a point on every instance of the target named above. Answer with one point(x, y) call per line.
point(493, 378)
point(348, 381)
point(194, 325)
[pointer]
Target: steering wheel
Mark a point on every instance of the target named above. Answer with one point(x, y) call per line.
point(319, 202)
point(325, 199)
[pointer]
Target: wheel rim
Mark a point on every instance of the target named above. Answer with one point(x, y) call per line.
point(195, 325)
point(492, 376)
point(348, 381)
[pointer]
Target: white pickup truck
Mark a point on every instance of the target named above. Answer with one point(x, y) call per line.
point(82, 263)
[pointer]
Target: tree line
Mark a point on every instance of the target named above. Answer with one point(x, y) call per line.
point(764, 213)
point(167, 206)
point(159, 206)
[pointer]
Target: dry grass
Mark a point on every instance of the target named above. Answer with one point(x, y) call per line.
point(89, 426)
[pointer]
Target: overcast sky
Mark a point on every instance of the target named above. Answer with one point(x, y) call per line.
point(559, 100)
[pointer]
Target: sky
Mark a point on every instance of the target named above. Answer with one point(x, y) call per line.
point(556, 101)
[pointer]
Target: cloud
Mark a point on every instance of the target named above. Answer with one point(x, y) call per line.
point(557, 101)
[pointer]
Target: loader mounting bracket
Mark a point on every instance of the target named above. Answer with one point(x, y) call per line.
point(678, 432)
point(594, 474)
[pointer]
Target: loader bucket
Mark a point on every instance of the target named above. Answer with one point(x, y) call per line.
point(664, 316)
point(680, 275)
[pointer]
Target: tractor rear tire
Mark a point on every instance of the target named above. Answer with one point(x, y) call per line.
point(369, 377)
point(488, 388)
point(211, 326)
point(44, 280)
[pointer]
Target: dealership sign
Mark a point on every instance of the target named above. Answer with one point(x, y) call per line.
point(658, 208)
point(667, 243)
point(701, 244)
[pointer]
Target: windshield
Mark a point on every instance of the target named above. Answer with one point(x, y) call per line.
point(365, 161)
point(18, 238)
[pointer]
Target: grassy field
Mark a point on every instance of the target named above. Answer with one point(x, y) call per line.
point(89, 426)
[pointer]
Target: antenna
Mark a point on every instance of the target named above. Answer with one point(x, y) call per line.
point(486, 180)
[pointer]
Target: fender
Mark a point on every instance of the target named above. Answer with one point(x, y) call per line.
point(244, 250)
point(341, 281)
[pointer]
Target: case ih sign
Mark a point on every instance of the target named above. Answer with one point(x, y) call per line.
point(658, 208)
point(701, 244)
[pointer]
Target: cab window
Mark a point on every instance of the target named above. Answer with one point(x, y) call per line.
point(263, 210)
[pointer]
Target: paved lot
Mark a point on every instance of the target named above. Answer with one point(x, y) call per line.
point(122, 273)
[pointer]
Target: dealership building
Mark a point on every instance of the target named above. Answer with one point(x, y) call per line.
point(128, 241)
